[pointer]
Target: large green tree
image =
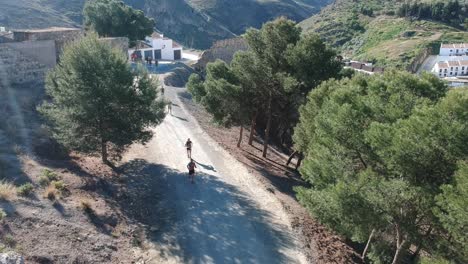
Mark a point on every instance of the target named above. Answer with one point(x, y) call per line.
point(113, 18)
point(378, 149)
point(273, 76)
point(97, 102)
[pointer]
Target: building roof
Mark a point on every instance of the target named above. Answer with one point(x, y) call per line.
point(142, 45)
point(455, 46)
point(442, 64)
point(42, 30)
point(464, 63)
point(156, 35)
point(453, 63)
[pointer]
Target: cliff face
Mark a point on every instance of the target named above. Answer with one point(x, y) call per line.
point(195, 23)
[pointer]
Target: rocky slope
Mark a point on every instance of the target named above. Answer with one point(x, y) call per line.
point(195, 23)
point(371, 30)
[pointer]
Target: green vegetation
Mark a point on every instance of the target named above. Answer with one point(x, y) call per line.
point(268, 80)
point(98, 104)
point(2, 214)
point(25, 189)
point(112, 18)
point(386, 160)
point(372, 31)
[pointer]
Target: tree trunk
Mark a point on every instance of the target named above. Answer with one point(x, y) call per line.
point(252, 129)
point(291, 157)
point(400, 242)
point(418, 248)
point(267, 130)
point(364, 253)
point(241, 134)
point(104, 151)
point(299, 160)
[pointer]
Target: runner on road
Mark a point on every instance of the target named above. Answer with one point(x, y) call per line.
point(169, 107)
point(191, 170)
point(188, 145)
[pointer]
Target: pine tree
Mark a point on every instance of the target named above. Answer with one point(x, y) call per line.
point(97, 103)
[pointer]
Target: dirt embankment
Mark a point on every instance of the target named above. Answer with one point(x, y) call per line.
point(319, 243)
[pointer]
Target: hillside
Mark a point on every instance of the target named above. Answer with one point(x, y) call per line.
point(195, 23)
point(372, 31)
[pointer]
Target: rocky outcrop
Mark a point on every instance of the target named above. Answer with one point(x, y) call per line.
point(11, 258)
point(223, 50)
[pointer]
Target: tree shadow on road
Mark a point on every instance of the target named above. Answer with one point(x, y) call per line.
point(210, 221)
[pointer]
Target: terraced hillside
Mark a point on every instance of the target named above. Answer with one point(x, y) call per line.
point(196, 23)
point(371, 30)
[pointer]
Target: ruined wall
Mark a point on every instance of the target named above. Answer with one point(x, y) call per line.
point(223, 50)
point(61, 37)
point(43, 51)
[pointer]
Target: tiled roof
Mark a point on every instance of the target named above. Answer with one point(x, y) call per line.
point(455, 46)
point(453, 63)
point(176, 45)
point(442, 64)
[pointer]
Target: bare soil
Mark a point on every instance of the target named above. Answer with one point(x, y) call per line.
point(320, 244)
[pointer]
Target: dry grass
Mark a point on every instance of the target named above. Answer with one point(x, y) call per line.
point(86, 206)
point(51, 193)
point(7, 191)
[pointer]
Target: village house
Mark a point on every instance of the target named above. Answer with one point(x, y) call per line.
point(453, 49)
point(364, 67)
point(157, 47)
point(451, 68)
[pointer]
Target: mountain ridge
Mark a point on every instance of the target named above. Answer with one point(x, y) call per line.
point(194, 23)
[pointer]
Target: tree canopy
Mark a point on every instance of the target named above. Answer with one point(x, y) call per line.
point(381, 155)
point(97, 102)
point(271, 79)
point(113, 18)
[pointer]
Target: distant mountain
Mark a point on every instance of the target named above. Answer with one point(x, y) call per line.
point(372, 30)
point(196, 23)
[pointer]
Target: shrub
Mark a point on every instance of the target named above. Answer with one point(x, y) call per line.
point(51, 193)
point(9, 241)
point(43, 181)
point(2, 214)
point(7, 191)
point(59, 185)
point(50, 175)
point(25, 189)
point(86, 206)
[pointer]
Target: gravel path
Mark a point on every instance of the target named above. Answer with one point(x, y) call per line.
point(224, 217)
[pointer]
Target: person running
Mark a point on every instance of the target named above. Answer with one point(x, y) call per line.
point(191, 170)
point(188, 145)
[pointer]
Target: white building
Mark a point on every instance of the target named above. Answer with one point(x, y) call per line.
point(454, 49)
point(157, 47)
point(453, 68)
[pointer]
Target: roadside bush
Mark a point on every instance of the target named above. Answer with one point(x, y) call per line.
point(43, 181)
point(25, 189)
point(7, 191)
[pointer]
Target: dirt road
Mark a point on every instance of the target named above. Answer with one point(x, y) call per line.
point(223, 218)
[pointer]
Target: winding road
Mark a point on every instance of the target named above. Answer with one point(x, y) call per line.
point(225, 217)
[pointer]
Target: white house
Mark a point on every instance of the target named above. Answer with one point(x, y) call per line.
point(157, 47)
point(453, 68)
point(454, 49)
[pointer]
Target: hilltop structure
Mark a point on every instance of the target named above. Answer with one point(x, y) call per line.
point(157, 47)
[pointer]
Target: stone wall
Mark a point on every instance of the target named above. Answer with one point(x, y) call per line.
point(223, 50)
point(43, 51)
point(61, 36)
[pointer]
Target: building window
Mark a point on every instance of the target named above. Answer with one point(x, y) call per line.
point(451, 68)
point(445, 70)
point(463, 68)
point(456, 73)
